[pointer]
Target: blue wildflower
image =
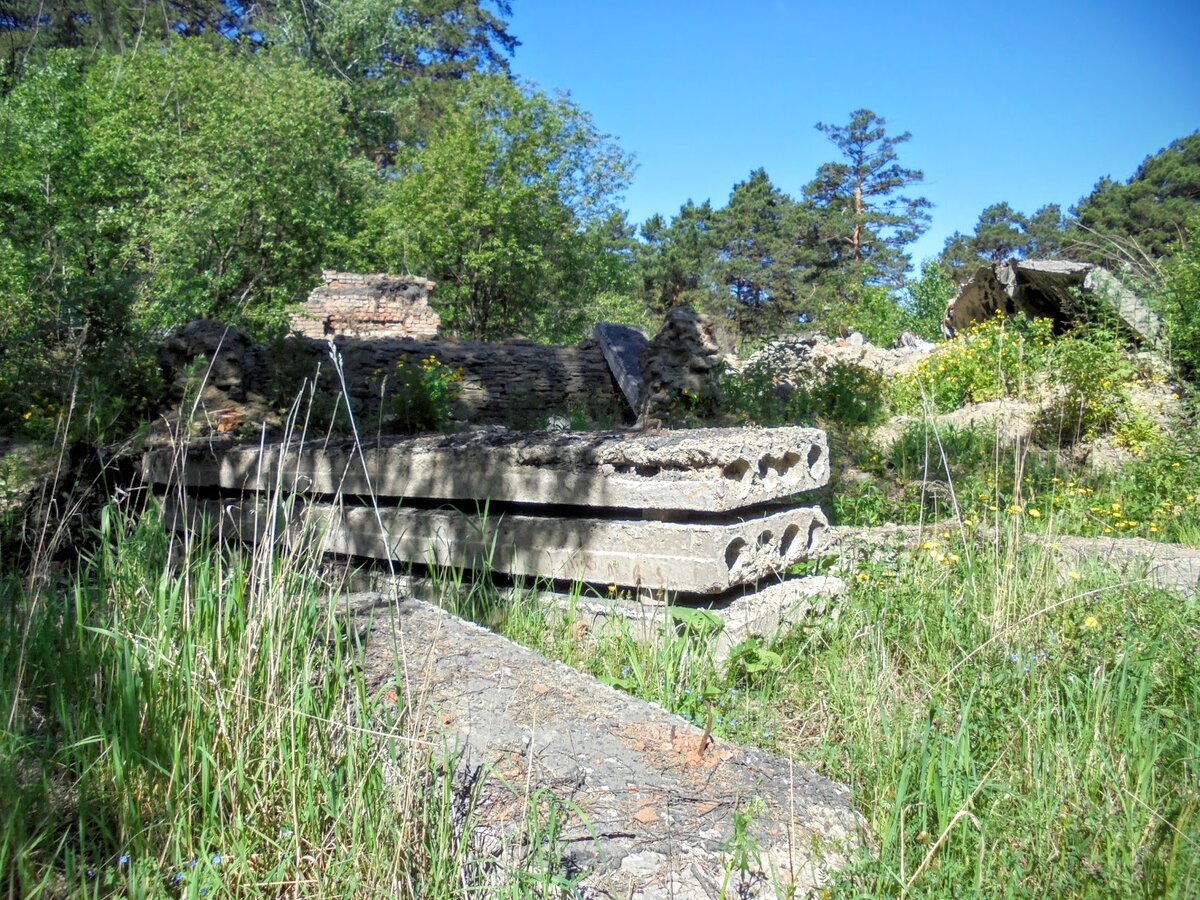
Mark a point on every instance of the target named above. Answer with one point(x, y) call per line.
point(216, 860)
point(123, 859)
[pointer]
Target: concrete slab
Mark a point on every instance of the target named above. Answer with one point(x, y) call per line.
point(699, 558)
point(622, 345)
point(701, 470)
point(762, 610)
point(646, 810)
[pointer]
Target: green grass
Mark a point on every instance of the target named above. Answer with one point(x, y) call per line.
point(1155, 495)
point(197, 728)
point(1006, 730)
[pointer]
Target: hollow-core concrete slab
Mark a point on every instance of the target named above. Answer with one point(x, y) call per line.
point(647, 805)
point(695, 557)
point(704, 470)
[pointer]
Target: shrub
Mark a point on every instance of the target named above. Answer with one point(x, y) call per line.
point(841, 393)
point(1180, 303)
point(1094, 372)
point(994, 359)
point(420, 396)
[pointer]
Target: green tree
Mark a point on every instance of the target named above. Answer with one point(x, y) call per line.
point(1150, 209)
point(861, 219)
point(398, 61)
point(677, 262)
point(143, 190)
point(30, 27)
point(505, 207)
point(232, 176)
point(927, 299)
point(1001, 233)
point(757, 256)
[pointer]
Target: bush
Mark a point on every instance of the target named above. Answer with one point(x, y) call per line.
point(998, 358)
point(420, 397)
point(1180, 304)
point(841, 393)
point(1094, 372)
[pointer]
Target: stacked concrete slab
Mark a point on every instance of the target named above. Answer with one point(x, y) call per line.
point(702, 512)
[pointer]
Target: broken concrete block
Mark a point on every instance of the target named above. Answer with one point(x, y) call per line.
point(703, 470)
point(694, 557)
point(622, 345)
point(1048, 289)
point(645, 801)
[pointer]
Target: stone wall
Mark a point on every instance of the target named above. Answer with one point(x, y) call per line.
point(518, 382)
point(368, 306)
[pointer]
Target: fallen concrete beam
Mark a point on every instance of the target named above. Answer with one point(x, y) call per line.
point(763, 610)
point(646, 806)
point(694, 557)
point(701, 470)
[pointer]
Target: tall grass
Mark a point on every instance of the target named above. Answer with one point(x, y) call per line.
point(184, 717)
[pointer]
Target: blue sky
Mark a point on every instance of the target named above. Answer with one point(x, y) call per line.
point(1029, 103)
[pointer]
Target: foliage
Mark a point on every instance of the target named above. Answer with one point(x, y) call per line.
point(1179, 303)
point(1149, 209)
point(399, 62)
point(1003, 232)
point(677, 260)
point(766, 392)
point(192, 721)
point(1092, 372)
point(993, 359)
point(863, 220)
point(29, 28)
point(928, 297)
point(502, 207)
point(756, 257)
point(143, 191)
point(420, 397)
point(871, 310)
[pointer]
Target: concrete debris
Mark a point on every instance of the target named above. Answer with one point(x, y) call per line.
point(622, 346)
point(794, 359)
point(645, 799)
point(681, 369)
point(1064, 291)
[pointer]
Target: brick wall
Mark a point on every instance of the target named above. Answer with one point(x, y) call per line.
point(368, 306)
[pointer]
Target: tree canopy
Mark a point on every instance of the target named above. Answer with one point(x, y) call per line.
point(865, 217)
point(1151, 209)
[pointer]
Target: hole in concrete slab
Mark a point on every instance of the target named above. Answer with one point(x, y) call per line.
point(777, 465)
point(816, 534)
point(764, 539)
point(733, 551)
point(814, 455)
point(785, 543)
point(736, 470)
point(648, 471)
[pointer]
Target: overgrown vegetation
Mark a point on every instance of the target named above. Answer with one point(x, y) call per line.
point(1006, 729)
point(187, 721)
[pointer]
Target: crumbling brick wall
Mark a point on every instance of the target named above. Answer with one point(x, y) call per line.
point(368, 306)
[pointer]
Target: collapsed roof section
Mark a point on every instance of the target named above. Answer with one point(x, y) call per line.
point(1066, 292)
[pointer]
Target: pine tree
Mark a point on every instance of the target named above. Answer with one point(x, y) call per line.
point(861, 218)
